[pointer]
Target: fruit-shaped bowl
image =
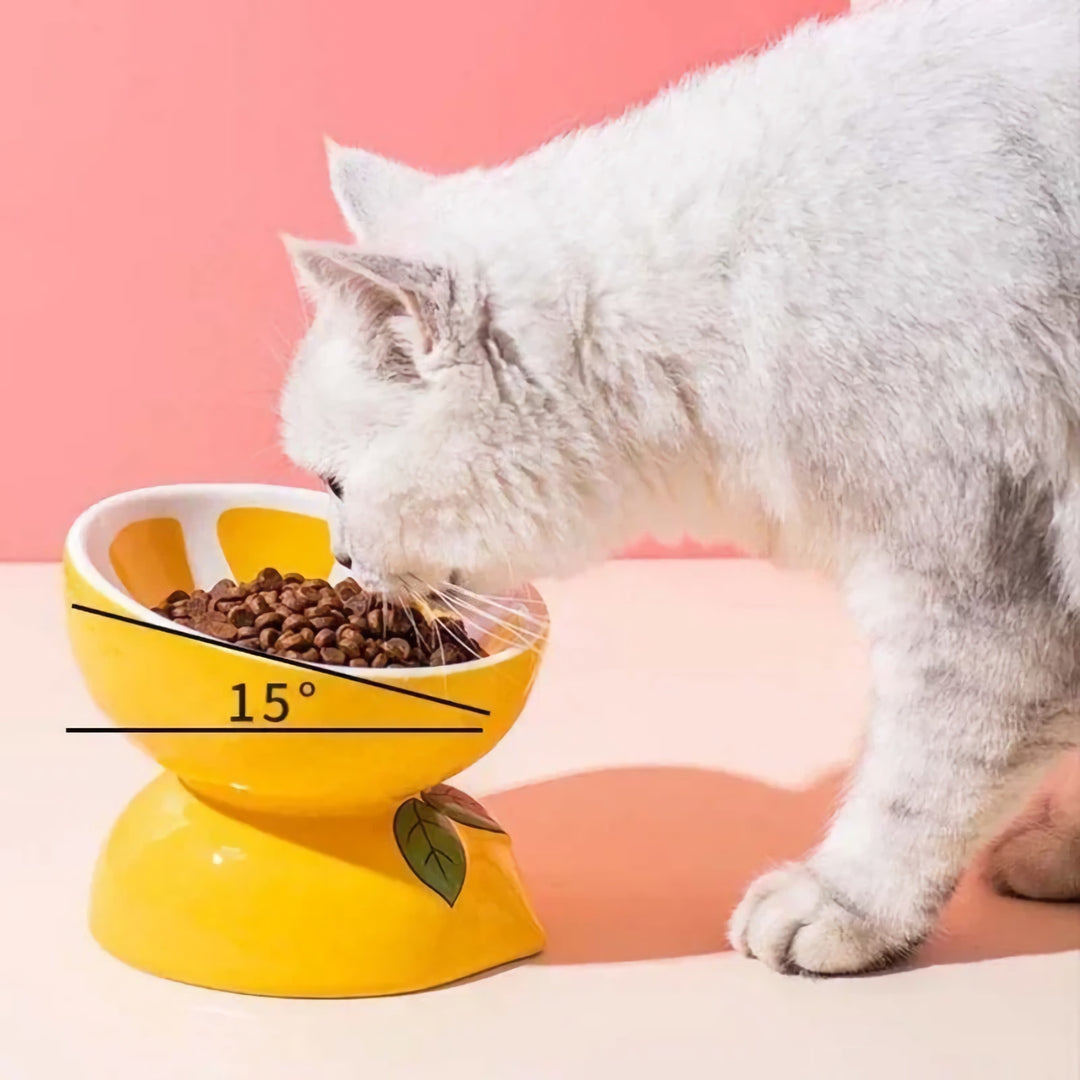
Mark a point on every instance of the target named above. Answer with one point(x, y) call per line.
point(302, 840)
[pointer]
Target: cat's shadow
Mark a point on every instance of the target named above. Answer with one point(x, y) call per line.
point(648, 862)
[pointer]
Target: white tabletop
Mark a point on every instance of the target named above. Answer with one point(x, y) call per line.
point(689, 727)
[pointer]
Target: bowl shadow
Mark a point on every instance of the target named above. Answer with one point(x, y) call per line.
point(648, 862)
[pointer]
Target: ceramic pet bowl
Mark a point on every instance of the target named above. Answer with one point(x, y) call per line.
point(315, 855)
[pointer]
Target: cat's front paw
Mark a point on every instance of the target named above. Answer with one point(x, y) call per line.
point(789, 920)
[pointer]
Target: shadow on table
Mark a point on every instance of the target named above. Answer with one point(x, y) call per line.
point(643, 863)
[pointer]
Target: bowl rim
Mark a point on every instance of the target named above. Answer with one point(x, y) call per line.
point(264, 496)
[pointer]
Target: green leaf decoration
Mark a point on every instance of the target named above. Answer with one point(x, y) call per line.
point(460, 807)
point(431, 847)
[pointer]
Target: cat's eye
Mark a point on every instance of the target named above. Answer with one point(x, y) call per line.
point(335, 487)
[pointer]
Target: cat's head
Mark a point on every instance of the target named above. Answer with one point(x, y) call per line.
point(449, 458)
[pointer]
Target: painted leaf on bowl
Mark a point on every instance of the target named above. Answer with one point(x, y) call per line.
point(431, 847)
point(460, 807)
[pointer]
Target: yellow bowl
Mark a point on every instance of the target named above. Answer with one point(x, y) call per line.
point(306, 855)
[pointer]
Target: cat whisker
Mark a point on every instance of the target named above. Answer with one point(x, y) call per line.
point(519, 605)
point(515, 611)
point(491, 624)
point(466, 644)
point(520, 638)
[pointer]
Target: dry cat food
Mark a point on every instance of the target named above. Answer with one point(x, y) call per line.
point(309, 619)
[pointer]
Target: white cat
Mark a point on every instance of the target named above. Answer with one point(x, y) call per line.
point(824, 302)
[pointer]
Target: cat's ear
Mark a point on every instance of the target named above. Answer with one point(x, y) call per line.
point(366, 186)
point(319, 266)
point(378, 285)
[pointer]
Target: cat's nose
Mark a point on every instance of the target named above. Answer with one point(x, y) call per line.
point(345, 561)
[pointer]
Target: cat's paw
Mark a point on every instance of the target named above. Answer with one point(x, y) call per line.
point(1038, 858)
point(789, 920)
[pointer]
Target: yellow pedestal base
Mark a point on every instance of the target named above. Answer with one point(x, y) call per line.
point(395, 899)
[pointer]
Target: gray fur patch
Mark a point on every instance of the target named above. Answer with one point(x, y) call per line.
point(1020, 552)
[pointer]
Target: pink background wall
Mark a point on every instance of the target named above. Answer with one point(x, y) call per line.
point(152, 152)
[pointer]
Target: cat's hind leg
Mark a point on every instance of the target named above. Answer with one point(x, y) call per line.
point(1038, 856)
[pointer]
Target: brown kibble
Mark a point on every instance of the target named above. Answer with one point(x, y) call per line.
point(359, 603)
point(474, 648)
point(241, 616)
point(397, 621)
point(304, 618)
point(349, 642)
point(292, 641)
point(257, 604)
point(443, 631)
point(219, 628)
point(347, 588)
point(293, 600)
point(451, 628)
point(447, 654)
point(397, 649)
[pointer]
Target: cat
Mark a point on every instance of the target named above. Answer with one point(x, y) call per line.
point(824, 302)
